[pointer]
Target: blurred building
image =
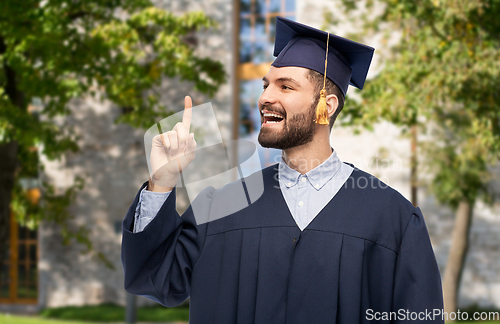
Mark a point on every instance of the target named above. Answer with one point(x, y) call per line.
point(44, 273)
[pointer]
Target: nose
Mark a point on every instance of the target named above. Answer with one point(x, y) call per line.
point(267, 96)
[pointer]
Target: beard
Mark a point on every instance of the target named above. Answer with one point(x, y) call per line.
point(296, 131)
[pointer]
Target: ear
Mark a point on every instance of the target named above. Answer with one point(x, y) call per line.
point(332, 102)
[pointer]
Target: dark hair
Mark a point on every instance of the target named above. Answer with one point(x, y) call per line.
point(316, 79)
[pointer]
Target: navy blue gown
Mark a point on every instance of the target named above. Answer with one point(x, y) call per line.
point(367, 251)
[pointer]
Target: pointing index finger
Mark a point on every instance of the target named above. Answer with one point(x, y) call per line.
point(188, 112)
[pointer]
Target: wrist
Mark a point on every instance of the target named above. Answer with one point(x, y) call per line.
point(157, 188)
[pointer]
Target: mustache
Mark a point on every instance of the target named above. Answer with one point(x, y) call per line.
point(273, 109)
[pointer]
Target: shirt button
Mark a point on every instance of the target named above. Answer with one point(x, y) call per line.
point(290, 184)
point(303, 179)
point(301, 203)
point(317, 186)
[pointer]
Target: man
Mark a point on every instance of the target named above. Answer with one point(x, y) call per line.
point(325, 243)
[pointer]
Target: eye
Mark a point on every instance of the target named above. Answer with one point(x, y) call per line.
point(264, 86)
point(285, 87)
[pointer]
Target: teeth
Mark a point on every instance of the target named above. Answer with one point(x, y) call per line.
point(272, 115)
point(271, 122)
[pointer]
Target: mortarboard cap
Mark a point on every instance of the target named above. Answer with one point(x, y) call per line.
point(303, 46)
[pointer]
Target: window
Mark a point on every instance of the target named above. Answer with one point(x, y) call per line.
point(257, 21)
point(19, 275)
point(257, 28)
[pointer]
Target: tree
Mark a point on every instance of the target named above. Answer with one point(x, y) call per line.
point(441, 78)
point(57, 50)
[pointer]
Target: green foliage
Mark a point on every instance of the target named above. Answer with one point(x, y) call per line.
point(491, 311)
point(58, 50)
point(442, 76)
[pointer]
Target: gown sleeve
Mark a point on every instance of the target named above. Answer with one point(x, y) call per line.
point(417, 283)
point(159, 260)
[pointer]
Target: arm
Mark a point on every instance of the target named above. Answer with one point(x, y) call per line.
point(417, 283)
point(158, 261)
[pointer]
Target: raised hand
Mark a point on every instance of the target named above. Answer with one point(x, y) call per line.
point(172, 152)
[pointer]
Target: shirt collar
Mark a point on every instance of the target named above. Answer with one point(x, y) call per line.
point(318, 176)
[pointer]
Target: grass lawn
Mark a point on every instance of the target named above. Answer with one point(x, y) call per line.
point(14, 319)
point(114, 313)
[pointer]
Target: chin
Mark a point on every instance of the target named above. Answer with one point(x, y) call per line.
point(265, 140)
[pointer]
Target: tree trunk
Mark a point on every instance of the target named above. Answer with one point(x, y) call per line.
point(456, 258)
point(8, 152)
point(8, 163)
point(414, 165)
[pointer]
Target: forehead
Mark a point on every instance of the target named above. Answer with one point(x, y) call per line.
point(299, 74)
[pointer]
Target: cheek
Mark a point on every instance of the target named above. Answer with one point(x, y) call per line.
point(299, 106)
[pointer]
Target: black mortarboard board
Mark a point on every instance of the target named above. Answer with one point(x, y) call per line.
point(303, 46)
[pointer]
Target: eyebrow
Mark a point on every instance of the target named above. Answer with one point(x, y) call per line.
point(284, 79)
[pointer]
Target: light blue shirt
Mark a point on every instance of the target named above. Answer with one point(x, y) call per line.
point(148, 206)
point(305, 194)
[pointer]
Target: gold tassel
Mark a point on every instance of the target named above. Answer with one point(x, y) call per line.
point(321, 108)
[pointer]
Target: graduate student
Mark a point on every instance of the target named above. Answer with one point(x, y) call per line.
point(324, 243)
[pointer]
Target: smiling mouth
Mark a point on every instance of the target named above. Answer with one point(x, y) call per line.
point(272, 118)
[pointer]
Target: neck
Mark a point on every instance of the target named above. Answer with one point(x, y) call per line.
point(306, 157)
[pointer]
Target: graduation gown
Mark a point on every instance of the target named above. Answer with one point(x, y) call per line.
point(367, 251)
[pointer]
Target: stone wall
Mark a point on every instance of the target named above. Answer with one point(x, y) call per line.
point(112, 161)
